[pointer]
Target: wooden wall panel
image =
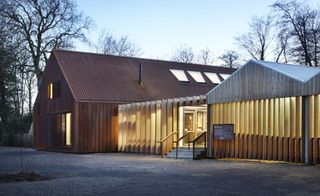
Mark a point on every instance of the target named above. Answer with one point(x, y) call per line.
point(158, 126)
point(45, 135)
point(153, 132)
point(151, 122)
point(98, 127)
point(264, 129)
point(138, 128)
point(148, 127)
point(314, 129)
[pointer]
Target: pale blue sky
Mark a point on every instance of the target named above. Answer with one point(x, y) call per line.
point(159, 27)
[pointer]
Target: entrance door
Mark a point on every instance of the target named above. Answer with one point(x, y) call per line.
point(193, 119)
point(188, 124)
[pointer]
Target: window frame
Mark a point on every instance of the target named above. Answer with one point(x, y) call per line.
point(174, 73)
point(54, 90)
point(194, 75)
point(216, 77)
point(66, 128)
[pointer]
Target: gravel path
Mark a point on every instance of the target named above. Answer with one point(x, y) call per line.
point(138, 174)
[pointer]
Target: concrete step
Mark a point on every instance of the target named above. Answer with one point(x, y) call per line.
point(184, 153)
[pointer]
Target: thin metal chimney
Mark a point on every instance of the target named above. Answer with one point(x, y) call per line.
point(140, 74)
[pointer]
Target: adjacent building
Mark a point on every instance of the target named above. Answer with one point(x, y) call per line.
point(275, 112)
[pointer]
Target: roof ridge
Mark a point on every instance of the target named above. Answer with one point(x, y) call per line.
point(290, 64)
point(292, 74)
point(65, 75)
point(140, 58)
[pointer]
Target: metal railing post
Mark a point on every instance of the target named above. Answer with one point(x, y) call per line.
point(161, 150)
point(177, 152)
point(193, 148)
point(188, 141)
point(205, 143)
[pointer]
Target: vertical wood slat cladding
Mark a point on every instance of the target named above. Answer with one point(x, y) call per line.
point(93, 127)
point(47, 134)
point(98, 127)
point(150, 122)
point(314, 129)
point(276, 129)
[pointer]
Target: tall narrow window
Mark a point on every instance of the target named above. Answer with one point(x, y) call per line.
point(54, 89)
point(50, 90)
point(68, 129)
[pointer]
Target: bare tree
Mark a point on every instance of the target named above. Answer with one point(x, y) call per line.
point(7, 79)
point(183, 54)
point(42, 25)
point(230, 58)
point(257, 40)
point(303, 25)
point(282, 47)
point(205, 56)
point(109, 44)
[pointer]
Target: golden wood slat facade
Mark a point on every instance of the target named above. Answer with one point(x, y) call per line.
point(275, 116)
point(275, 111)
point(143, 125)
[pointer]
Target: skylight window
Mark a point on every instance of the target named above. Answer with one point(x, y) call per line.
point(213, 77)
point(225, 76)
point(197, 76)
point(180, 75)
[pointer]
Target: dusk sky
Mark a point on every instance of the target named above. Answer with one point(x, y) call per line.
point(159, 27)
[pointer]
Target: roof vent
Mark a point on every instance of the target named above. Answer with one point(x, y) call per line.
point(140, 74)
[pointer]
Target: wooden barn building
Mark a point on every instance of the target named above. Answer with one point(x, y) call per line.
point(76, 109)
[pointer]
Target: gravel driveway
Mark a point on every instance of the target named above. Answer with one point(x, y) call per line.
point(139, 174)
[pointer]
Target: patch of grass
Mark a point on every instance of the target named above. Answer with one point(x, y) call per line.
point(21, 177)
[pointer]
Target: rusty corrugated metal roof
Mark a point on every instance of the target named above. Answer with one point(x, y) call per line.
point(97, 77)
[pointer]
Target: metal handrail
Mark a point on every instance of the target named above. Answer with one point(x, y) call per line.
point(196, 139)
point(177, 142)
point(165, 139)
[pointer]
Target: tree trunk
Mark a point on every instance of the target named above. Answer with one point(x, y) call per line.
point(30, 94)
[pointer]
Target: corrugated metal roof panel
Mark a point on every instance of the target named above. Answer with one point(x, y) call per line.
point(96, 77)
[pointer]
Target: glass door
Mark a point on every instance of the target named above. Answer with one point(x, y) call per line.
point(188, 125)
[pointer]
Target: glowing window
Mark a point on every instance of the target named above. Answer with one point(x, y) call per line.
point(54, 89)
point(197, 76)
point(225, 76)
point(50, 90)
point(180, 75)
point(68, 129)
point(213, 77)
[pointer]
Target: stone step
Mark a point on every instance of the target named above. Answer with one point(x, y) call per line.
point(184, 153)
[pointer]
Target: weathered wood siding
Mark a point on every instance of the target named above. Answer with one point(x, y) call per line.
point(46, 134)
point(94, 125)
point(143, 125)
point(98, 127)
point(253, 82)
point(268, 129)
